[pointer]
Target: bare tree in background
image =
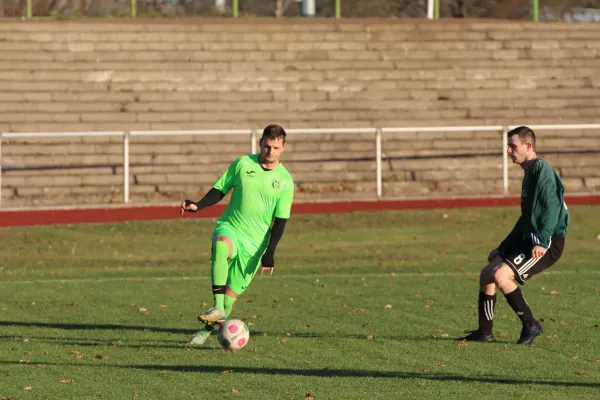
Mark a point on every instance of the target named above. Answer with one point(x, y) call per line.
point(281, 6)
point(505, 9)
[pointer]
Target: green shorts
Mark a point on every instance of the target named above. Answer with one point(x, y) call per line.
point(245, 259)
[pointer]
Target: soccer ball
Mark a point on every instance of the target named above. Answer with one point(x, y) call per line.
point(233, 334)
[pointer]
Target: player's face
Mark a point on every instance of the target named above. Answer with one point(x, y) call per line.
point(517, 150)
point(271, 149)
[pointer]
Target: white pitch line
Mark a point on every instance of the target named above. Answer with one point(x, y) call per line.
point(308, 276)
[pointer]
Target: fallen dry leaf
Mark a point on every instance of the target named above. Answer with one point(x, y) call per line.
point(275, 301)
point(26, 340)
point(66, 381)
point(163, 306)
point(98, 357)
point(444, 335)
point(135, 395)
point(388, 306)
point(441, 365)
point(554, 293)
point(143, 309)
point(580, 373)
point(227, 371)
point(284, 340)
point(361, 356)
point(27, 388)
point(163, 371)
point(234, 390)
point(309, 396)
point(24, 361)
point(462, 343)
point(426, 370)
point(369, 337)
point(359, 310)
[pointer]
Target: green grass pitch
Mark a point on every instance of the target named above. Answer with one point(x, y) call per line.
point(361, 306)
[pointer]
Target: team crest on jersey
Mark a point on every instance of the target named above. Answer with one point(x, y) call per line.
point(276, 184)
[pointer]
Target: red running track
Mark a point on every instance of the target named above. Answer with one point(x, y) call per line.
point(144, 213)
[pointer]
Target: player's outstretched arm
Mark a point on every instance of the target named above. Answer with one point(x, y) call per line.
point(212, 197)
point(268, 259)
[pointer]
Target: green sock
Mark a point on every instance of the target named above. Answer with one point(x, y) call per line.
point(229, 305)
point(218, 272)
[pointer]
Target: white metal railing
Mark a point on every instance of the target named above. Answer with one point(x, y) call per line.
point(253, 133)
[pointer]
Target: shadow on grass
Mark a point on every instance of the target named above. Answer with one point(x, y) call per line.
point(330, 373)
point(304, 335)
point(309, 335)
point(109, 327)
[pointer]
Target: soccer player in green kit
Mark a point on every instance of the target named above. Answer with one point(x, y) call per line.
point(246, 235)
point(535, 243)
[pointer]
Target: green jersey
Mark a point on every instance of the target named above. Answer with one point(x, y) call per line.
point(258, 196)
point(543, 209)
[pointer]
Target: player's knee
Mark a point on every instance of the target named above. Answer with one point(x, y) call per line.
point(503, 276)
point(486, 276)
point(223, 246)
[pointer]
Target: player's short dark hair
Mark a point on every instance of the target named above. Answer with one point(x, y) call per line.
point(525, 135)
point(273, 132)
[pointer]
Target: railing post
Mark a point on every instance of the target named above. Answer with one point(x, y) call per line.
point(126, 135)
point(378, 161)
point(504, 159)
point(253, 139)
point(0, 169)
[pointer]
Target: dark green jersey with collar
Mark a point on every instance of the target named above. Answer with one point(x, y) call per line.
point(543, 209)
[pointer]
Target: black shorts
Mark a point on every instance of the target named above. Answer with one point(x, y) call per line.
point(520, 261)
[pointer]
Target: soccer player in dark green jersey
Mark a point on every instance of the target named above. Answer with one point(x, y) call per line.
point(246, 235)
point(535, 243)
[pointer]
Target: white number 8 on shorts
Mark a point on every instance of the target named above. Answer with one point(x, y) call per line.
point(519, 259)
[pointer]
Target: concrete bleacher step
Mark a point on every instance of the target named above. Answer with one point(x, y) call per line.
point(160, 75)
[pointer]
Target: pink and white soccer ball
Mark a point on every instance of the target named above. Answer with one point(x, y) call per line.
point(233, 334)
